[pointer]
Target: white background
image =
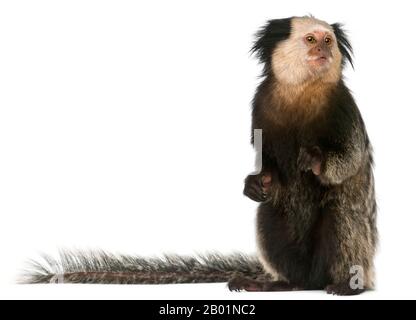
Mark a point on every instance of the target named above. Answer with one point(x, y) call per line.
point(124, 125)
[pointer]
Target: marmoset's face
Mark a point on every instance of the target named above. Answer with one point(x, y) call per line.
point(319, 48)
point(311, 52)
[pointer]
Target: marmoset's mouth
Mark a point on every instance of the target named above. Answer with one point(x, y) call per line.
point(318, 60)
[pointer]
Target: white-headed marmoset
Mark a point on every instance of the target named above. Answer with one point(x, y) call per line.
point(316, 222)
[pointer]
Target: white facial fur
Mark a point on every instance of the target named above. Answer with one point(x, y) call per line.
point(290, 58)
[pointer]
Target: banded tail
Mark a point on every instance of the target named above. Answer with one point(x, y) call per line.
point(105, 268)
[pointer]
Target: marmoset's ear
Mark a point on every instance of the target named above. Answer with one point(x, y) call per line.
point(344, 44)
point(273, 32)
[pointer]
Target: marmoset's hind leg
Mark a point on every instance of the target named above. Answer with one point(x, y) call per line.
point(350, 237)
point(239, 283)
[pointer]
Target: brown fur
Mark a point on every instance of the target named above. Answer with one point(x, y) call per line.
point(318, 219)
point(317, 216)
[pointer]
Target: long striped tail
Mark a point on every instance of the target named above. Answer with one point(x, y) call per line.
point(105, 268)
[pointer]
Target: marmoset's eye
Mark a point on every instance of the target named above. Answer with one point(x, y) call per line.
point(310, 39)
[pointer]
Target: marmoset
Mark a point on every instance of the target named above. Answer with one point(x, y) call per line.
point(316, 222)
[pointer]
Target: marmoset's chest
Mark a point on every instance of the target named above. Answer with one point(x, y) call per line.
point(283, 139)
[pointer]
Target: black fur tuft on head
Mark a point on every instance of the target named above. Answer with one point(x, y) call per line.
point(344, 44)
point(268, 37)
point(277, 30)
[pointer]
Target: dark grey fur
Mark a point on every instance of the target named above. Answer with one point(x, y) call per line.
point(105, 268)
point(311, 229)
